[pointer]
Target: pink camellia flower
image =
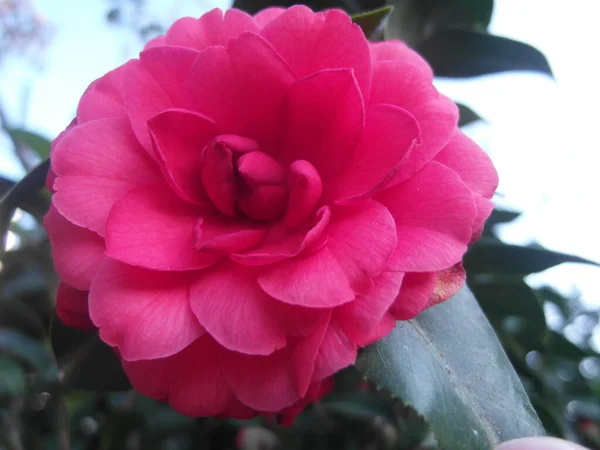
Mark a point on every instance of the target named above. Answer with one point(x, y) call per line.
point(255, 198)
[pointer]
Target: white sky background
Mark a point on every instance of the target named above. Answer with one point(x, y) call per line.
point(541, 134)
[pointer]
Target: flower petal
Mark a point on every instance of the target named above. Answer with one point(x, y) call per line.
point(359, 318)
point(241, 88)
point(213, 28)
point(434, 213)
point(337, 351)
point(267, 15)
point(414, 295)
point(72, 307)
point(231, 306)
point(322, 120)
point(399, 51)
point(471, 163)
point(144, 314)
point(406, 86)
point(361, 239)
point(104, 97)
point(273, 382)
point(94, 163)
point(390, 135)
point(153, 228)
point(179, 138)
point(76, 252)
point(333, 42)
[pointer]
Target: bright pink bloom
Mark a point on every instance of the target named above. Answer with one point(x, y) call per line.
point(253, 199)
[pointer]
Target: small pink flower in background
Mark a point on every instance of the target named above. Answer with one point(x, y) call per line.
point(255, 198)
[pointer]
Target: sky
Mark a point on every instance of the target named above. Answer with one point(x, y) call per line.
point(540, 133)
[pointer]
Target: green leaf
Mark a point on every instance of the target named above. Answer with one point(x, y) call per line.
point(468, 53)
point(359, 405)
point(498, 216)
point(12, 378)
point(84, 361)
point(24, 194)
point(34, 141)
point(512, 298)
point(413, 21)
point(24, 349)
point(370, 21)
point(466, 115)
point(560, 346)
point(449, 366)
point(489, 255)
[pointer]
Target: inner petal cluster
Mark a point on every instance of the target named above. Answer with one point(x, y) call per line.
point(241, 180)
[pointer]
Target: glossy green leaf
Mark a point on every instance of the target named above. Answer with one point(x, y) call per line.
point(12, 377)
point(39, 144)
point(370, 21)
point(467, 53)
point(24, 194)
point(466, 116)
point(85, 362)
point(498, 216)
point(412, 21)
point(489, 255)
point(513, 307)
point(448, 365)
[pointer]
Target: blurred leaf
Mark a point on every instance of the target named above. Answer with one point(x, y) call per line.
point(448, 365)
point(413, 21)
point(12, 378)
point(360, 405)
point(466, 115)
point(503, 299)
point(369, 21)
point(497, 217)
point(569, 306)
point(23, 348)
point(21, 317)
point(548, 417)
point(34, 141)
point(24, 194)
point(489, 255)
point(558, 345)
point(84, 361)
point(467, 53)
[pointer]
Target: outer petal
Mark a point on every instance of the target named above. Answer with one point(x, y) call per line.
point(361, 239)
point(211, 29)
point(434, 213)
point(72, 307)
point(359, 318)
point(271, 383)
point(337, 351)
point(471, 163)
point(77, 252)
point(95, 166)
point(153, 228)
point(144, 314)
point(399, 51)
point(332, 42)
point(104, 97)
point(179, 138)
point(322, 120)
point(267, 15)
point(390, 135)
point(231, 306)
point(405, 85)
point(414, 295)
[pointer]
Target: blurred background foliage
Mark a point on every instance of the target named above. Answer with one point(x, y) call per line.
point(62, 389)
